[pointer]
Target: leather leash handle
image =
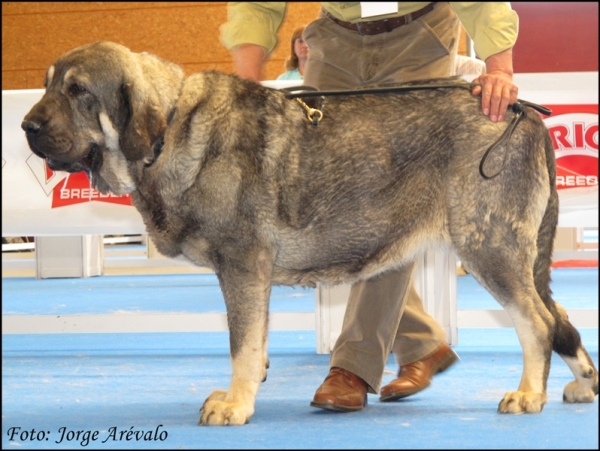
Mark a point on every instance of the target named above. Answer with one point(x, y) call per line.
point(540, 108)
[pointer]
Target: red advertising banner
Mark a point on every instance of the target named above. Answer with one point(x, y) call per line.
point(77, 189)
point(574, 133)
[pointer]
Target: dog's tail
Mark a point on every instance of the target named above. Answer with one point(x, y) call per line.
point(547, 231)
point(566, 340)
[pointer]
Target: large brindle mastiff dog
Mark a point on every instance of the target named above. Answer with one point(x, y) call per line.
point(233, 176)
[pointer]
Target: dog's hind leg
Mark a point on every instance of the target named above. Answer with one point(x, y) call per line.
point(499, 251)
point(246, 285)
point(511, 256)
point(566, 341)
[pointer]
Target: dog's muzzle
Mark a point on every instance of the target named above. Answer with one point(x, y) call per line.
point(34, 132)
point(88, 163)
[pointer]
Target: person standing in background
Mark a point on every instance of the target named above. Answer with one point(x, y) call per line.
point(295, 63)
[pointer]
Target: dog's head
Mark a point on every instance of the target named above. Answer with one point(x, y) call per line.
point(104, 109)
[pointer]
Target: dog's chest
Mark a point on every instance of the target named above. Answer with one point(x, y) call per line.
point(162, 226)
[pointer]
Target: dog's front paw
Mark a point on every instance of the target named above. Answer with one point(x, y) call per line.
point(215, 412)
point(522, 402)
point(578, 392)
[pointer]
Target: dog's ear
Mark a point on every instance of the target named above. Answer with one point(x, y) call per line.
point(143, 123)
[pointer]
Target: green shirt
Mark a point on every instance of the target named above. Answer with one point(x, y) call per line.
point(493, 26)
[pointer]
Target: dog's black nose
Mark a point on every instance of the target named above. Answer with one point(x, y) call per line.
point(31, 127)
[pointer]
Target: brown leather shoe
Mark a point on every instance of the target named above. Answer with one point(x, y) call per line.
point(416, 376)
point(341, 391)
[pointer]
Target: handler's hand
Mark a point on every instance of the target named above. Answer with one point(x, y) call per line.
point(496, 87)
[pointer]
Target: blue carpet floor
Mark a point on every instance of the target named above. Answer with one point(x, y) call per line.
point(112, 383)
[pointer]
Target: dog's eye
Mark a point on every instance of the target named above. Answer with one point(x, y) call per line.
point(76, 89)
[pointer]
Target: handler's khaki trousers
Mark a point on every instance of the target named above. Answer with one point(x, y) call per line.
point(383, 313)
